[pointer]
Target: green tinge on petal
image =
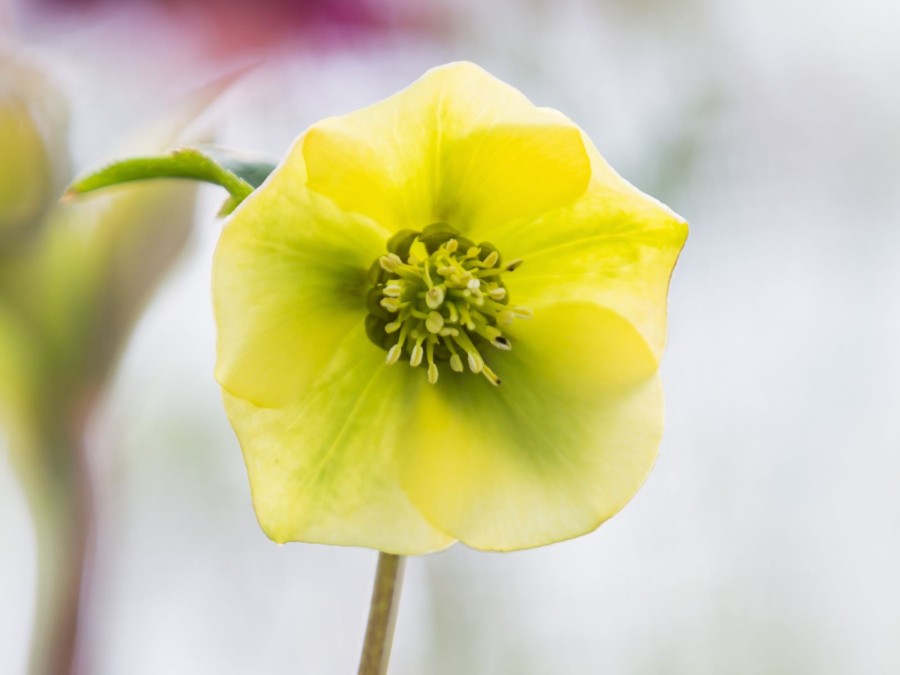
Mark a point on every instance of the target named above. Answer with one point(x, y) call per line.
point(289, 281)
point(324, 468)
point(457, 146)
point(560, 446)
point(614, 246)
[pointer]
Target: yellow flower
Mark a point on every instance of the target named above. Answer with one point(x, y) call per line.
point(441, 319)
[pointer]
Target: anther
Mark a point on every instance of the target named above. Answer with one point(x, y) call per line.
point(491, 259)
point(432, 367)
point(434, 322)
point(393, 290)
point(415, 358)
point(523, 313)
point(497, 293)
point(391, 304)
point(491, 376)
point(501, 342)
point(434, 297)
point(490, 332)
point(393, 354)
point(515, 264)
point(390, 262)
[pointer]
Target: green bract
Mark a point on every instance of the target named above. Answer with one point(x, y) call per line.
point(403, 220)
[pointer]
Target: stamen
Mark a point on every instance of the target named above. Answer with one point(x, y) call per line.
point(476, 363)
point(465, 317)
point(446, 306)
point(491, 376)
point(514, 265)
point(456, 363)
point(432, 367)
point(415, 358)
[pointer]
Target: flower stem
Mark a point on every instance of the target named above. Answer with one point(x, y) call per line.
point(62, 505)
point(382, 614)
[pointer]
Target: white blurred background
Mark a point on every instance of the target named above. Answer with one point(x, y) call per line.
point(767, 540)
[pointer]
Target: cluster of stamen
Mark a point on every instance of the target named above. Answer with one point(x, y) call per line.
point(438, 297)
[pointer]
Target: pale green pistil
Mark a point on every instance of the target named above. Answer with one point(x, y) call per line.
point(437, 297)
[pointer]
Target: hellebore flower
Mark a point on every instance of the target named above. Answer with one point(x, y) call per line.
point(441, 319)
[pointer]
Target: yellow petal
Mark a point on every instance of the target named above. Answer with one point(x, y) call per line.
point(289, 281)
point(614, 246)
point(457, 146)
point(324, 468)
point(560, 446)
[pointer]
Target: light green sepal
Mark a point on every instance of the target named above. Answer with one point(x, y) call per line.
point(220, 167)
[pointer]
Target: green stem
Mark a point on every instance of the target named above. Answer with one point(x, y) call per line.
point(182, 163)
point(382, 614)
point(62, 507)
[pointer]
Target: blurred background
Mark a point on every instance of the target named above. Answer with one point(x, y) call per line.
point(767, 540)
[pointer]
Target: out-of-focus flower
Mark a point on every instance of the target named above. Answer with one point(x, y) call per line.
point(32, 147)
point(459, 228)
point(73, 280)
point(227, 27)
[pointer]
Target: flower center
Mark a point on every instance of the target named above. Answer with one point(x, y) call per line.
point(438, 297)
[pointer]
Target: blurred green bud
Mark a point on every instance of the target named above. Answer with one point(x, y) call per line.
point(18, 382)
point(90, 269)
point(33, 154)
